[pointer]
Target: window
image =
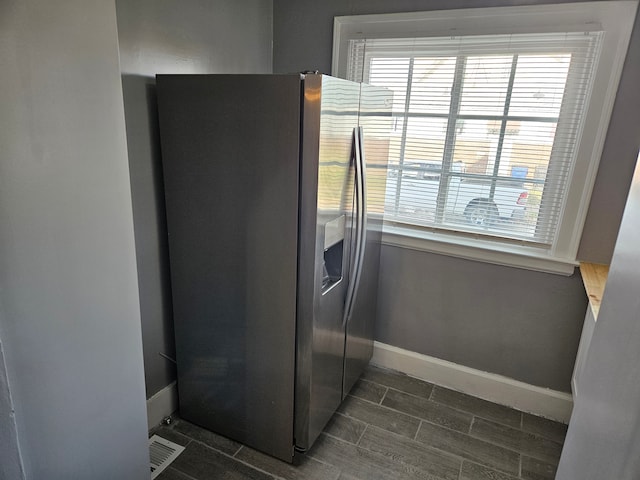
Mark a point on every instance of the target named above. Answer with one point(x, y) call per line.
point(487, 148)
point(479, 144)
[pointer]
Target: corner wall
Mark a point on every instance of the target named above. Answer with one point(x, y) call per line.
point(10, 460)
point(190, 36)
point(69, 310)
point(604, 433)
point(520, 324)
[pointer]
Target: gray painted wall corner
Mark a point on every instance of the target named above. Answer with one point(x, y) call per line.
point(69, 309)
point(603, 439)
point(521, 324)
point(220, 36)
point(617, 162)
point(10, 458)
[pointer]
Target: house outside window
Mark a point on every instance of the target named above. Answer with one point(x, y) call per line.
point(496, 135)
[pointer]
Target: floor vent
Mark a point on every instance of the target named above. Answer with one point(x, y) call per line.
point(162, 453)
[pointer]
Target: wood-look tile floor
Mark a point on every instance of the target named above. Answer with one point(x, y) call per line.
point(390, 427)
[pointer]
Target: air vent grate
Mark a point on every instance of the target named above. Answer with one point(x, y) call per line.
point(162, 453)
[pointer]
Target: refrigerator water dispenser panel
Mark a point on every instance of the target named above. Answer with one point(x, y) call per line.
point(333, 253)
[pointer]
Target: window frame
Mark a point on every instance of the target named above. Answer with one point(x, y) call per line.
point(614, 18)
point(549, 43)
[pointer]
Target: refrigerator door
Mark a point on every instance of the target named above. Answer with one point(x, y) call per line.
point(330, 113)
point(376, 123)
point(230, 150)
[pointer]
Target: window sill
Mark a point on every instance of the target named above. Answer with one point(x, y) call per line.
point(528, 258)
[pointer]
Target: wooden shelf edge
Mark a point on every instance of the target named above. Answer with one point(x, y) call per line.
point(594, 277)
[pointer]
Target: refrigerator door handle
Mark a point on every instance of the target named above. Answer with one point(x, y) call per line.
point(356, 244)
point(363, 214)
point(361, 223)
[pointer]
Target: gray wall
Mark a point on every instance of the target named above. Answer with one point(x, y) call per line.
point(617, 162)
point(69, 311)
point(485, 316)
point(604, 433)
point(10, 460)
point(172, 36)
point(303, 36)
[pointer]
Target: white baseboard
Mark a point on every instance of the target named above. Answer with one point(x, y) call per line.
point(489, 386)
point(162, 404)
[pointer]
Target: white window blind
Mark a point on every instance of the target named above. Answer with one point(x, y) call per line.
point(484, 131)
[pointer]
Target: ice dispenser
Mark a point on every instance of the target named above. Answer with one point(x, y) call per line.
point(333, 252)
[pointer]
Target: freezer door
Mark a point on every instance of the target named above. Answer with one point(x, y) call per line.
point(376, 123)
point(330, 116)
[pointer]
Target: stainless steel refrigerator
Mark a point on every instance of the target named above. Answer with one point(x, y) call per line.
point(274, 191)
